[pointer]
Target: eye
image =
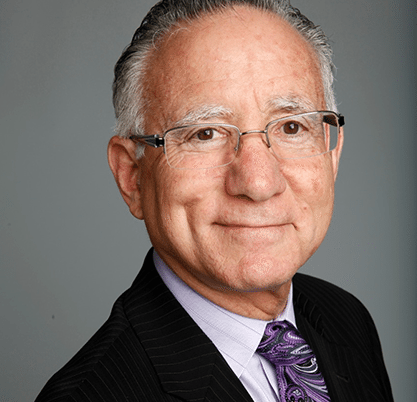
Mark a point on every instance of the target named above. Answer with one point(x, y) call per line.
point(291, 128)
point(205, 134)
point(208, 134)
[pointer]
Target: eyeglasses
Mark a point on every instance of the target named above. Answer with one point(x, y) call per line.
point(202, 146)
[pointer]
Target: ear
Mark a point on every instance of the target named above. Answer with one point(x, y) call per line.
point(121, 154)
point(336, 153)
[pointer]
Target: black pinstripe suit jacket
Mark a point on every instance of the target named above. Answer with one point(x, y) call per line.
point(151, 350)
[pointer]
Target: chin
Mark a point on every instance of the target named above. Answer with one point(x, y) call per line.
point(256, 273)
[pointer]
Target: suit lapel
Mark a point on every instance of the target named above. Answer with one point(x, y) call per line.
point(337, 361)
point(185, 360)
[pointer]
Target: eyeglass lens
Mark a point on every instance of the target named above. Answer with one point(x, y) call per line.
point(212, 145)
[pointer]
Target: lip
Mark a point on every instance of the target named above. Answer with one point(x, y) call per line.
point(257, 220)
point(255, 229)
point(248, 226)
point(251, 225)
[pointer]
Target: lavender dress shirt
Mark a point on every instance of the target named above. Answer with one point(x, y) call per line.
point(236, 337)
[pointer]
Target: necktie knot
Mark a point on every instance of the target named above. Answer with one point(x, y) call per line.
point(283, 345)
point(299, 378)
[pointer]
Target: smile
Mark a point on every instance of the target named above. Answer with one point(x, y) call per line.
point(256, 232)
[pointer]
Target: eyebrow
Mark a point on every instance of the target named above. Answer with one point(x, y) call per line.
point(278, 104)
point(203, 113)
point(291, 103)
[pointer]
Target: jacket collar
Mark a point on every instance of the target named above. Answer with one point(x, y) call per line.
point(336, 359)
point(185, 360)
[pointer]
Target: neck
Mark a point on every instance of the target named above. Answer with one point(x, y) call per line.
point(262, 305)
point(266, 304)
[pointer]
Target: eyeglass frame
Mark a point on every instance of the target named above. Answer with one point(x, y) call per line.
point(158, 140)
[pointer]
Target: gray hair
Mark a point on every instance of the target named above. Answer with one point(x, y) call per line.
point(128, 100)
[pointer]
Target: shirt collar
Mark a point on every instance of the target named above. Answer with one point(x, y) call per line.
point(235, 336)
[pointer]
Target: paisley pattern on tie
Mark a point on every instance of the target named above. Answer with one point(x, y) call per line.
point(299, 379)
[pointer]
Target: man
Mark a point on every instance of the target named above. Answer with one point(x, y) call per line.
point(228, 148)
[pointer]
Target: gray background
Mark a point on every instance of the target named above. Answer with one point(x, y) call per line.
point(68, 245)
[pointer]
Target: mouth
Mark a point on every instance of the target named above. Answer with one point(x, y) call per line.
point(251, 225)
point(250, 231)
point(241, 226)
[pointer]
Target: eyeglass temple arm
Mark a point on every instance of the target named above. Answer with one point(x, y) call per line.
point(340, 119)
point(152, 140)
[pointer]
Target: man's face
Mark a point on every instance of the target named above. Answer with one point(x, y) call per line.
point(250, 225)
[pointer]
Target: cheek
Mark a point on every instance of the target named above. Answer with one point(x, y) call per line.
point(321, 200)
point(321, 189)
point(311, 182)
point(180, 202)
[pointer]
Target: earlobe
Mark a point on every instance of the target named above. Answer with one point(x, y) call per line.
point(121, 154)
point(336, 153)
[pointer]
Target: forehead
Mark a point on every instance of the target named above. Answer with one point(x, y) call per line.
point(236, 59)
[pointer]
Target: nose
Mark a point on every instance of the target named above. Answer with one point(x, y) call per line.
point(256, 171)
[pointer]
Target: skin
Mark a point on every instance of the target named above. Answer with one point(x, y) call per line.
point(235, 234)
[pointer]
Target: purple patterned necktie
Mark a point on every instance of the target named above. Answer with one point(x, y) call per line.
point(299, 378)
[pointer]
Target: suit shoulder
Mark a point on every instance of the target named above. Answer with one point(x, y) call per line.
point(337, 310)
point(323, 293)
point(114, 365)
point(87, 372)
